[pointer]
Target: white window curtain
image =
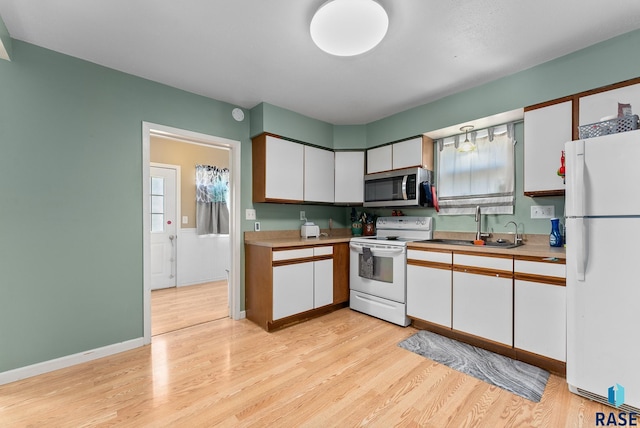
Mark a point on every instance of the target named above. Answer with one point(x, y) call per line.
point(482, 177)
point(212, 196)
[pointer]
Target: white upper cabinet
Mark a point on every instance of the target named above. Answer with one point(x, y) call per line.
point(284, 170)
point(546, 129)
point(379, 159)
point(594, 108)
point(349, 177)
point(318, 175)
point(407, 153)
point(415, 152)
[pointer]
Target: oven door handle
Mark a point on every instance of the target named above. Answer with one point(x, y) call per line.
point(377, 251)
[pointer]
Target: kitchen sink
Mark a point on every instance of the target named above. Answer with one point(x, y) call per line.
point(464, 242)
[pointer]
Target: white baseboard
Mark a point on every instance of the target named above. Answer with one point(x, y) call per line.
point(243, 315)
point(68, 361)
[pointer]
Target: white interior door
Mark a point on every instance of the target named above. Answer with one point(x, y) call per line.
point(163, 227)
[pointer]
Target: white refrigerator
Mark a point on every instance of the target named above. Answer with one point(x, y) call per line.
point(603, 268)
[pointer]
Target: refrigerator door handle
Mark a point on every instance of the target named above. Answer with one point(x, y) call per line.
point(581, 247)
point(579, 184)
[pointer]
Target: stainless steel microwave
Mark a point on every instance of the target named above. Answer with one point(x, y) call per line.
point(399, 188)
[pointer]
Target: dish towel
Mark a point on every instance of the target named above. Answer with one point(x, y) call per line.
point(366, 264)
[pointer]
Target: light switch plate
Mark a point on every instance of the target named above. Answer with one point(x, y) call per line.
point(250, 214)
point(543, 211)
point(185, 219)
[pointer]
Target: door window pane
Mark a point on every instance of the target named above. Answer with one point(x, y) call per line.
point(157, 204)
point(157, 186)
point(157, 222)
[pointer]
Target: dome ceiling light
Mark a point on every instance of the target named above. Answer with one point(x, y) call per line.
point(349, 27)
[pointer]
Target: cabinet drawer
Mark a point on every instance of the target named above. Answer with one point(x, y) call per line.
point(539, 268)
point(429, 256)
point(322, 251)
point(292, 254)
point(483, 262)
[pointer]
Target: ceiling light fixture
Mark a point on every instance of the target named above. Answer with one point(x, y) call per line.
point(466, 146)
point(349, 27)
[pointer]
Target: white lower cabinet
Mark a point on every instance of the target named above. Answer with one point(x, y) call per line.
point(299, 287)
point(483, 297)
point(292, 289)
point(540, 308)
point(540, 319)
point(322, 283)
point(429, 287)
point(483, 306)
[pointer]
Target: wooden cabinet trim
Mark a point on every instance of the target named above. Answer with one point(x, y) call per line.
point(554, 366)
point(435, 265)
point(555, 261)
point(482, 271)
point(533, 194)
point(428, 250)
point(552, 102)
point(259, 167)
point(551, 280)
point(302, 260)
point(341, 273)
point(610, 87)
point(492, 255)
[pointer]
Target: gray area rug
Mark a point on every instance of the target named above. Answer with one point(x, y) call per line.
point(517, 377)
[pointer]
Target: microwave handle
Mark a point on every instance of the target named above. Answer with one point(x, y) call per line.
point(404, 187)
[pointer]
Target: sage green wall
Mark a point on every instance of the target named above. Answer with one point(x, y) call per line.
point(71, 210)
point(5, 39)
point(290, 124)
point(608, 62)
point(349, 137)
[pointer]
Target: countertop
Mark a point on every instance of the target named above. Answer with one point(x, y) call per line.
point(291, 238)
point(535, 245)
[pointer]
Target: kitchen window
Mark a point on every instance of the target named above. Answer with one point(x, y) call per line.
point(482, 177)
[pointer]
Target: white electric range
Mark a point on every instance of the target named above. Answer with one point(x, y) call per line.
point(378, 267)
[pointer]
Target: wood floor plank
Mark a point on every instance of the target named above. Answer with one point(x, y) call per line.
point(342, 369)
point(179, 307)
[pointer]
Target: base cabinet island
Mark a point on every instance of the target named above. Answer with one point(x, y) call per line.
point(290, 282)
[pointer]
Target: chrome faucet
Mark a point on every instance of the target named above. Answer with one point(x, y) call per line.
point(479, 223)
point(517, 239)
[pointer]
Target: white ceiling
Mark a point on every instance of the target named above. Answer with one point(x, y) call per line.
point(248, 51)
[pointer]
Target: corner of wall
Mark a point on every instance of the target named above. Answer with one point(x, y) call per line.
point(5, 42)
point(256, 120)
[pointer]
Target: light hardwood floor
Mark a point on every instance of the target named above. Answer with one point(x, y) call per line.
point(343, 369)
point(179, 307)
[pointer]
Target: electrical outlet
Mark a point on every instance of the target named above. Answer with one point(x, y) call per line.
point(302, 215)
point(250, 214)
point(256, 226)
point(543, 211)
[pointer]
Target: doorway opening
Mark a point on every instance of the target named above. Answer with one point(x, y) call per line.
point(227, 281)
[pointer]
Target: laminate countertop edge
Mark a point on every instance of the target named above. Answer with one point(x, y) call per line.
point(528, 250)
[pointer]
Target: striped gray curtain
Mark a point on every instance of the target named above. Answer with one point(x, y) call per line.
point(212, 196)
